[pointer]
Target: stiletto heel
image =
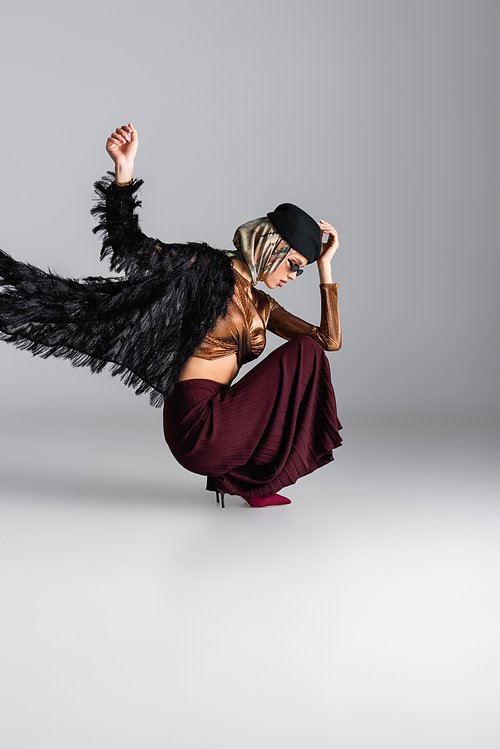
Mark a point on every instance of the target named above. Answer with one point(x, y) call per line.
point(221, 495)
point(266, 500)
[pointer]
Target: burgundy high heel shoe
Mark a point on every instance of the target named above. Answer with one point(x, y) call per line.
point(267, 500)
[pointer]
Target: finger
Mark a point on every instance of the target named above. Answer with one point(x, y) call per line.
point(122, 133)
point(133, 132)
point(127, 130)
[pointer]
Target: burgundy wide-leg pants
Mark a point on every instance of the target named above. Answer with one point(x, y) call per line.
point(276, 424)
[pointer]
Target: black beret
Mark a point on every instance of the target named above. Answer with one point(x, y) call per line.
point(297, 228)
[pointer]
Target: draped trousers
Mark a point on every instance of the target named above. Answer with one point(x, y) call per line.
point(277, 423)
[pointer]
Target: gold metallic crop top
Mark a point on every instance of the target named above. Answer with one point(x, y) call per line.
point(242, 331)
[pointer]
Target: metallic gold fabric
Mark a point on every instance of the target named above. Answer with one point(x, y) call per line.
point(242, 331)
point(260, 247)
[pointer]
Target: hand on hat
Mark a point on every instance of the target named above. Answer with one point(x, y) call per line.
point(330, 247)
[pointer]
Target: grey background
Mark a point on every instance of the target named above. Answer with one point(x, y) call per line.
point(366, 613)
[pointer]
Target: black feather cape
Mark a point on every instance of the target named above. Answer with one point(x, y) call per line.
point(145, 324)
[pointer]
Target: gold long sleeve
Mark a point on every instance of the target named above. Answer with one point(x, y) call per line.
point(328, 334)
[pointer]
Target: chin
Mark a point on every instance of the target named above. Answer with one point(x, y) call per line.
point(270, 283)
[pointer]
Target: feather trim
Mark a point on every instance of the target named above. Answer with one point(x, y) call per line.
point(118, 223)
point(144, 326)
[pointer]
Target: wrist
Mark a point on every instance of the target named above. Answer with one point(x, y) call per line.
point(325, 272)
point(123, 172)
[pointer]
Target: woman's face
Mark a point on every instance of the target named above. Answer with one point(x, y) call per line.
point(283, 273)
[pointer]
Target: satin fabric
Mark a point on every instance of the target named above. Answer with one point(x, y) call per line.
point(260, 247)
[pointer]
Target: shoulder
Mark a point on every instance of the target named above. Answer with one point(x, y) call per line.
point(266, 300)
point(193, 255)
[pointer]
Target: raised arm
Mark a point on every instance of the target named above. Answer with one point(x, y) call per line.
point(123, 241)
point(328, 334)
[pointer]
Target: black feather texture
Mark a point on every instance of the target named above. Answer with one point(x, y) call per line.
point(145, 325)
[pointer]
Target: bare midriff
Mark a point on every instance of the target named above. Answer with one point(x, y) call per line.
point(222, 370)
point(219, 370)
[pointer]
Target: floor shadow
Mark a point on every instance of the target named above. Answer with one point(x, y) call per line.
point(100, 489)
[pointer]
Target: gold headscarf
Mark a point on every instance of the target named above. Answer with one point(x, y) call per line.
point(260, 247)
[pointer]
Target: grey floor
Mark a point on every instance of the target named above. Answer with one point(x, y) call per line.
point(137, 614)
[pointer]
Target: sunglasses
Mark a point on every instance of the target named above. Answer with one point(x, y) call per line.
point(295, 268)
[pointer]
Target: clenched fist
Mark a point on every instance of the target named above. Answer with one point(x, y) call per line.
point(120, 148)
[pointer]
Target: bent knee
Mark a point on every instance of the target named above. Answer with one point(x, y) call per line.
point(306, 342)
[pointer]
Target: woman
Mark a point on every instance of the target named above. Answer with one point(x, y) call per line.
point(180, 325)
